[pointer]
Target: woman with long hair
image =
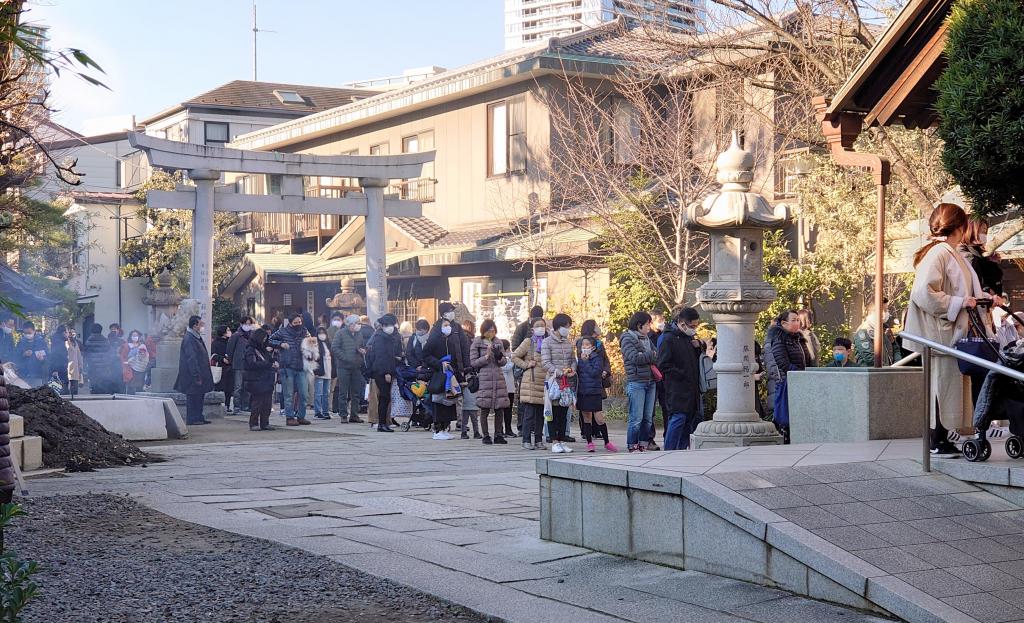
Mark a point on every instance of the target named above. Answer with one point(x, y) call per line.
point(945, 288)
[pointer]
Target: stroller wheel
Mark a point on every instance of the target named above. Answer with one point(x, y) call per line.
point(405, 427)
point(973, 450)
point(986, 450)
point(1014, 447)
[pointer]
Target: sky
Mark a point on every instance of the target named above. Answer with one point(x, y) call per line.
point(157, 53)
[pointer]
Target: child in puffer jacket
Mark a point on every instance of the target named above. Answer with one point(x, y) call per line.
point(591, 370)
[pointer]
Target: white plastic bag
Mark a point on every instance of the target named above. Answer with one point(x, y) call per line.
point(216, 371)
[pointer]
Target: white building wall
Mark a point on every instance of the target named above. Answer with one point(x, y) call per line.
point(98, 163)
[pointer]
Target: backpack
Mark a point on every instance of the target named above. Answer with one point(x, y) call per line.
point(708, 377)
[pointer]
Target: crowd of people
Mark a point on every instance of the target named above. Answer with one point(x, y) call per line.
point(70, 363)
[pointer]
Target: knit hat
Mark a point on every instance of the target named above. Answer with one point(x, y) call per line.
point(351, 320)
point(444, 308)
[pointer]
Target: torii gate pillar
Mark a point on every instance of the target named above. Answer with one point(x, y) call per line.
point(376, 263)
point(201, 280)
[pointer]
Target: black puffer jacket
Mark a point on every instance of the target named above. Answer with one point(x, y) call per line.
point(439, 346)
point(679, 361)
point(259, 376)
point(789, 350)
point(384, 353)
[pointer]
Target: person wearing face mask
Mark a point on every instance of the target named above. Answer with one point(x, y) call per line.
point(194, 377)
point(219, 358)
point(337, 321)
point(447, 311)
point(32, 352)
point(322, 376)
point(487, 356)
point(990, 277)
point(842, 354)
point(559, 362)
point(294, 380)
point(657, 331)
point(443, 353)
point(238, 402)
point(76, 362)
point(260, 370)
point(382, 361)
point(638, 355)
point(136, 360)
point(414, 348)
point(864, 338)
point(531, 387)
point(347, 350)
point(679, 362)
point(58, 357)
point(591, 371)
point(7, 340)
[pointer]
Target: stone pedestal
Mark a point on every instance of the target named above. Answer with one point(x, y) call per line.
point(735, 294)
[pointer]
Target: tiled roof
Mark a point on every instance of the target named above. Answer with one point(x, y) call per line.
point(250, 94)
point(472, 236)
point(81, 196)
point(421, 229)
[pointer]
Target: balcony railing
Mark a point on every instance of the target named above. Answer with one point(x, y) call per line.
point(421, 189)
point(269, 227)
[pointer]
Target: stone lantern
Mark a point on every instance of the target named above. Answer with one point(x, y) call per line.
point(735, 294)
point(348, 300)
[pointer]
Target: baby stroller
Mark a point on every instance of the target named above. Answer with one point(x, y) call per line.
point(1001, 398)
point(410, 396)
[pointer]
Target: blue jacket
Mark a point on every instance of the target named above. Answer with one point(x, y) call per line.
point(589, 372)
point(290, 357)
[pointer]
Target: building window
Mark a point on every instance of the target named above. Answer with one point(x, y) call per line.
point(380, 149)
point(216, 133)
point(624, 133)
point(506, 137)
point(421, 189)
point(286, 299)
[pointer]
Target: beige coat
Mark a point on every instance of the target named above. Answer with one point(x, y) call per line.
point(941, 283)
point(76, 364)
point(531, 388)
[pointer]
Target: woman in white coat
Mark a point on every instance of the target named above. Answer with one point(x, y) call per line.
point(945, 287)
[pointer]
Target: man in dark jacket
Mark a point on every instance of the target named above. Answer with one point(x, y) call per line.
point(195, 379)
point(7, 340)
point(97, 361)
point(31, 356)
point(447, 311)
point(523, 330)
point(679, 362)
point(347, 349)
point(293, 374)
point(382, 359)
point(337, 322)
point(239, 342)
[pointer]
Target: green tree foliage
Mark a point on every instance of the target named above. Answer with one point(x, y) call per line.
point(981, 102)
point(226, 312)
point(167, 242)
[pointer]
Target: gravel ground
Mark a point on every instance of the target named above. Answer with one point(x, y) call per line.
point(108, 559)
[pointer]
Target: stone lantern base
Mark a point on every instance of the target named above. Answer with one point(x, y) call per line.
point(712, 434)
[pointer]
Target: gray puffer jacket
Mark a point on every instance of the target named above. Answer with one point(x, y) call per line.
point(637, 356)
point(556, 354)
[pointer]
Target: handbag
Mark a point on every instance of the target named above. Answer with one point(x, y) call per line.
point(975, 343)
point(217, 373)
point(437, 382)
point(473, 382)
point(656, 374)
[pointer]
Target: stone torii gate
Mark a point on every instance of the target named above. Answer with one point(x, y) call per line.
point(205, 165)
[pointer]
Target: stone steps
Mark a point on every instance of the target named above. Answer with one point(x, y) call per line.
point(27, 451)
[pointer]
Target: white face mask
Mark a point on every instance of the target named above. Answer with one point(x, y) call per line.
point(389, 330)
point(246, 327)
point(539, 331)
point(446, 330)
point(659, 326)
point(30, 334)
point(335, 323)
point(135, 338)
point(586, 351)
point(563, 331)
point(449, 315)
point(323, 337)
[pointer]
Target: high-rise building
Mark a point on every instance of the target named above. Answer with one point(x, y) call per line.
point(532, 22)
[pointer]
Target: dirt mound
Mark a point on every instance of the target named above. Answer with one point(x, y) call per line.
point(71, 439)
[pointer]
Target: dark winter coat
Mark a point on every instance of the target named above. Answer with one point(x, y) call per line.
point(218, 353)
point(637, 356)
point(679, 362)
point(28, 366)
point(58, 359)
point(439, 346)
point(259, 375)
point(488, 357)
point(789, 350)
point(523, 331)
point(990, 274)
point(414, 352)
point(6, 465)
point(237, 346)
point(290, 357)
point(6, 346)
point(589, 371)
point(345, 349)
point(194, 376)
point(97, 363)
point(384, 353)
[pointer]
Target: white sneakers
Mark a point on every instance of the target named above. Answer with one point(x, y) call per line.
point(560, 448)
point(442, 436)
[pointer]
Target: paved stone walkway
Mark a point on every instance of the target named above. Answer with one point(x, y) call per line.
point(947, 546)
point(454, 519)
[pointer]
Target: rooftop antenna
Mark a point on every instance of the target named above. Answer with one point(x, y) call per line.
point(255, 31)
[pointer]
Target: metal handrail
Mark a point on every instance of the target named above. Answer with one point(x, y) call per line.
point(926, 369)
point(903, 363)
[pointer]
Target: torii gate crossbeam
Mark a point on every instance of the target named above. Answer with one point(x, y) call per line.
point(205, 165)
